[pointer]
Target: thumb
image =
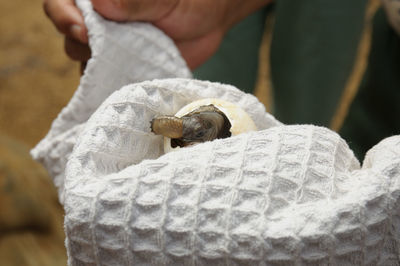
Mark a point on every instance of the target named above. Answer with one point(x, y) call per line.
point(134, 10)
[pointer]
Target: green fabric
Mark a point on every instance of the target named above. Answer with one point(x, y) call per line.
point(236, 61)
point(375, 112)
point(312, 53)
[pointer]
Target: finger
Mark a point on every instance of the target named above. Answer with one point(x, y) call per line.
point(197, 51)
point(77, 50)
point(67, 18)
point(133, 10)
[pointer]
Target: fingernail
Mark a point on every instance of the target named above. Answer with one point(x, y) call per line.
point(78, 33)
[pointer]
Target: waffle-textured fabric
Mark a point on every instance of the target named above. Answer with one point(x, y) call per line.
point(285, 195)
point(122, 53)
point(282, 195)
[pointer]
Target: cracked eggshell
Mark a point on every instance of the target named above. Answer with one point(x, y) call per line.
point(240, 121)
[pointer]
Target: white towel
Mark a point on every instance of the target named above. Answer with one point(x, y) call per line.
point(122, 53)
point(283, 195)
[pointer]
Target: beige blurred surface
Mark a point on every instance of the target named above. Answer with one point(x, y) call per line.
point(36, 81)
point(31, 219)
point(36, 77)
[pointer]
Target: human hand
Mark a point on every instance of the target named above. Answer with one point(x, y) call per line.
point(196, 26)
point(68, 20)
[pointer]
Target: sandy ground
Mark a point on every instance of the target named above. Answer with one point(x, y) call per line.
point(36, 81)
point(36, 77)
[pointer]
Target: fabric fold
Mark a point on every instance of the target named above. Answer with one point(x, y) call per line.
point(122, 53)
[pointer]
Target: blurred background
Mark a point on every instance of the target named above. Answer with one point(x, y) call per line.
point(36, 81)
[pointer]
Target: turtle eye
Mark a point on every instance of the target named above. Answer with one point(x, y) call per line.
point(200, 134)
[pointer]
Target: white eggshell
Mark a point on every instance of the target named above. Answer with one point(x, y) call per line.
point(240, 121)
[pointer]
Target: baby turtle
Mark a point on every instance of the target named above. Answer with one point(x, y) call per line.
point(205, 123)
